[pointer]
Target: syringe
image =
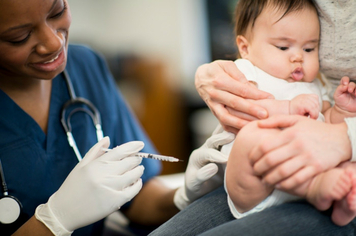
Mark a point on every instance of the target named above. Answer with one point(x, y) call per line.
point(152, 156)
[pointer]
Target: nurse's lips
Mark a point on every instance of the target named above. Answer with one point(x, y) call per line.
point(50, 64)
point(52, 60)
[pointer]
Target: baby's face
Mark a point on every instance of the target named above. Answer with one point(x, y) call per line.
point(286, 48)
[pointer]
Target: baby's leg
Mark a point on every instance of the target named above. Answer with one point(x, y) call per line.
point(244, 188)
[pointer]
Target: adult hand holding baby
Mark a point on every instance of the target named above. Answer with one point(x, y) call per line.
point(302, 149)
point(221, 81)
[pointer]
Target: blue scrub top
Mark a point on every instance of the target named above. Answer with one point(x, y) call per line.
point(36, 164)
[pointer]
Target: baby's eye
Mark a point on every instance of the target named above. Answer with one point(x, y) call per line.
point(282, 48)
point(309, 49)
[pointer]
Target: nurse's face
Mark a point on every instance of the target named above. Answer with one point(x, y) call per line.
point(33, 38)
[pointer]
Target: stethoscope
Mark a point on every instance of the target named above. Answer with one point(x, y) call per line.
point(10, 207)
point(93, 112)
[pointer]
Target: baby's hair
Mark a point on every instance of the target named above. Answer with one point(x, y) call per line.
point(247, 11)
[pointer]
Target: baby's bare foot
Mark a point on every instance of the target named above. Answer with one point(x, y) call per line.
point(333, 185)
point(344, 210)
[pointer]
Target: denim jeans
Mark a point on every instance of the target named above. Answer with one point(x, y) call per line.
point(205, 213)
point(210, 215)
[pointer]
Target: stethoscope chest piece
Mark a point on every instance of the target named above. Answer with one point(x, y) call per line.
point(10, 209)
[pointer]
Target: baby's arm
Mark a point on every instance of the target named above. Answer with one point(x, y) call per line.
point(345, 102)
point(304, 104)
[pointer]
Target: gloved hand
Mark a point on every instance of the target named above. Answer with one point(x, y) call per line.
point(98, 185)
point(203, 173)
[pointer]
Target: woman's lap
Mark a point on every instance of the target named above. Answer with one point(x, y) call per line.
point(205, 213)
point(211, 215)
point(292, 219)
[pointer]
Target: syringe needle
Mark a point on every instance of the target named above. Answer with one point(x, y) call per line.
point(151, 156)
point(157, 157)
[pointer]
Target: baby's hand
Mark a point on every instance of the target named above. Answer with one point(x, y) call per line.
point(305, 105)
point(345, 95)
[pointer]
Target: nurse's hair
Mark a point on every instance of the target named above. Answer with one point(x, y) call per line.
point(247, 11)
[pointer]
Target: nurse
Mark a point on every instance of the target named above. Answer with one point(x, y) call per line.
point(58, 195)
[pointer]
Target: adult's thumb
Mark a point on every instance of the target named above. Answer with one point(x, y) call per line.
point(96, 150)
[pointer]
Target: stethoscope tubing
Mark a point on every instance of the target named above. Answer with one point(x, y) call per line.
point(93, 112)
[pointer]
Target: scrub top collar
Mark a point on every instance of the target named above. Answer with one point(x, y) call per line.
point(23, 123)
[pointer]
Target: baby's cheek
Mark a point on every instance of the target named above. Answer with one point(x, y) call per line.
point(311, 74)
point(281, 72)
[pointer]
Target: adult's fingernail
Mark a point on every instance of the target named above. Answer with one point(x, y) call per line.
point(262, 114)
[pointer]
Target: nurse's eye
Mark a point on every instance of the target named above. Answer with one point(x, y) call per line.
point(309, 49)
point(282, 48)
point(21, 41)
point(59, 14)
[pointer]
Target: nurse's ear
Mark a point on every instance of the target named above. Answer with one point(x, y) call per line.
point(242, 44)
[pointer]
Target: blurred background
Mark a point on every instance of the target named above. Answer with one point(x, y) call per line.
point(153, 48)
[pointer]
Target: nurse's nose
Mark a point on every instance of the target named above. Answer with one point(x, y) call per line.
point(50, 41)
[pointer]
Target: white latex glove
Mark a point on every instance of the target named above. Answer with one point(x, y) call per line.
point(99, 185)
point(204, 172)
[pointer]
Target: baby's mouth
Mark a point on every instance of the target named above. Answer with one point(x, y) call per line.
point(298, 74)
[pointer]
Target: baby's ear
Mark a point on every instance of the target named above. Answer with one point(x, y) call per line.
point(242, 45)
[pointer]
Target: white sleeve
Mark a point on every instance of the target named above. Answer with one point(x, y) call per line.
point(246, 68)
point(351, 132)
point(329, 87)
point(321, 117)
point(276, 198)
point(323, 90)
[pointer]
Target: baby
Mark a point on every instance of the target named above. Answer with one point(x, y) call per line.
point(278, 42)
